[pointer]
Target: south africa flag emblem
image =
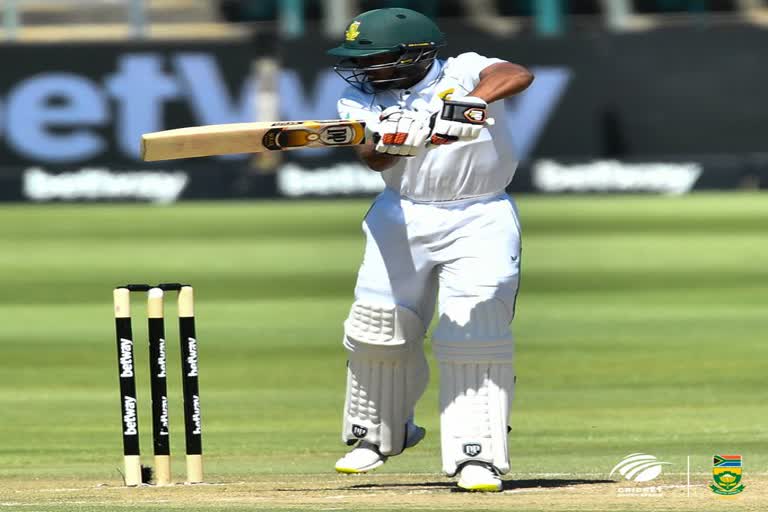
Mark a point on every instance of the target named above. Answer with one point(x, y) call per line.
point(726, 472)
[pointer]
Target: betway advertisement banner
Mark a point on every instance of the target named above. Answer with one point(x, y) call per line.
point(77, 104)
point(667, 111)
point(71, 118)
point(662, 112)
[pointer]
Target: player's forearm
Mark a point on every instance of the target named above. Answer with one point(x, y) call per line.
point(377, 161)
point(502, 80)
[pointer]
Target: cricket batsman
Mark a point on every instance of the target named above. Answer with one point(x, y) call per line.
point(443, 232)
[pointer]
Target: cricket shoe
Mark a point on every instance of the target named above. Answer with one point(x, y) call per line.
point(479, 476)
point(366, 456)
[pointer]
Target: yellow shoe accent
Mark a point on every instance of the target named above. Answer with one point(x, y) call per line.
point(481, 488)
point(348, 471)
point(479, 477)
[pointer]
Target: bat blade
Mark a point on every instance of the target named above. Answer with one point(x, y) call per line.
point(225, 139)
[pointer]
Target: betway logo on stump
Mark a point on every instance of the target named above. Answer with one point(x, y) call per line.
point(192, 358)
point(164, 416)
point(129, 417)
point(161, 359)
point(126, 358)
point(196, 418)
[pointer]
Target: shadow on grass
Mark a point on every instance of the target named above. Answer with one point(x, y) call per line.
point(550, 483)
point(509, 485)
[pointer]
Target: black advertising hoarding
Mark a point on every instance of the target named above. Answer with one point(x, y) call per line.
point(70, 104)
point(663, 111)
point(666, 111)
point(659, 174)
point(72, 115)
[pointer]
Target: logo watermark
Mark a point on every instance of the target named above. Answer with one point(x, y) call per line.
point(639, 467)
point(726, 474)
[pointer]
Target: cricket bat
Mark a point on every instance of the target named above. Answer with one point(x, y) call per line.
point(224, 139)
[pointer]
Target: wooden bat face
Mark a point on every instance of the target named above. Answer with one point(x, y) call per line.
point(225, 139)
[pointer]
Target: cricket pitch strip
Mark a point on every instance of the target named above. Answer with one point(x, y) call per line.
point(385, 491)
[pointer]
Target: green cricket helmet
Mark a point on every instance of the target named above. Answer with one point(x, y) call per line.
point(409, 38)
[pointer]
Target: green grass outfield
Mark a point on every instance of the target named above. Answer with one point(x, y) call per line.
point(642, 327)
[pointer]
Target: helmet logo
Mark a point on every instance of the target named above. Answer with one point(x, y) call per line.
point(352, 32)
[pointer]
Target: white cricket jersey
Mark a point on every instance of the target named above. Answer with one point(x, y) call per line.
point(462, 170)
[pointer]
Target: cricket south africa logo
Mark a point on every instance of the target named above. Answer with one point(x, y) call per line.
point(446, 94)
point(726, 473)
point(352, 32)
point(639, 467)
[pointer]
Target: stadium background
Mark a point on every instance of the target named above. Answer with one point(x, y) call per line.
point(641, 323)
point(666, 104)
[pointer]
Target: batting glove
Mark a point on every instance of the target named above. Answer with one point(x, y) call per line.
point(402, 132)
point(460, 119)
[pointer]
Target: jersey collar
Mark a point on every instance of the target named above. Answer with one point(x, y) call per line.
point(429, 80)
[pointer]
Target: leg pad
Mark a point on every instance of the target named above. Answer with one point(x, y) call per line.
point(387, 373)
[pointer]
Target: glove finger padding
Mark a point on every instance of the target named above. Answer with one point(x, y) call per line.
point(438, 139)
point(387, 130)
point(402, 132)
point(470, 132)
point(417, 136)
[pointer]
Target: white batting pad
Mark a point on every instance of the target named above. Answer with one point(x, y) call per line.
point(387, 373)
point(475, 349)
point(474, 405)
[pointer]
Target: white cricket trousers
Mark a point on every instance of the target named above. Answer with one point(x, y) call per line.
point(469, 250)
